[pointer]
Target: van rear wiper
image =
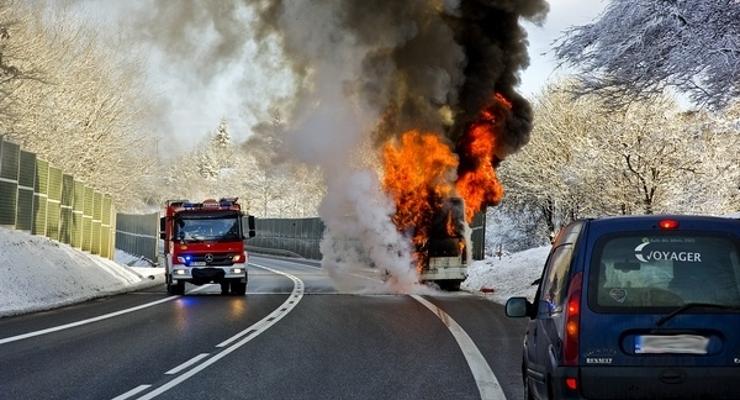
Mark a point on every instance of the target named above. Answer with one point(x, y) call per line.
point(689, 306)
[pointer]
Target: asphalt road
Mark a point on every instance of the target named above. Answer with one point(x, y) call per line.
point(295, 335)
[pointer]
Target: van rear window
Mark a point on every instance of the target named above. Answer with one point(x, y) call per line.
point(664, 270)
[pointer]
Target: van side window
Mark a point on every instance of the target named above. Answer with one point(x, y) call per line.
point(555, 284)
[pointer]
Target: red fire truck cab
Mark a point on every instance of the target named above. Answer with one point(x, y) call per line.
point(204, 243)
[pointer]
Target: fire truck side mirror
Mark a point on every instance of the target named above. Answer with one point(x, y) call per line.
point(162, 228)
point(250, 222)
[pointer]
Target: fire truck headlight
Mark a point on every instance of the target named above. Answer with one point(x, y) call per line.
point(239, 258)
point(184, 259)
point(236, 270)
point(180, 272)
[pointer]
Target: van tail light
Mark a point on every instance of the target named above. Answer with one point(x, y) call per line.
point(668, 224)
point(573, 321)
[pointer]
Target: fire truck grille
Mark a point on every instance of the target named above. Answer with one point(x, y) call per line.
point(214, 259)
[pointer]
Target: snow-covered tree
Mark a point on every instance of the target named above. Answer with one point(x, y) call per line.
point(648, 150)
point(638, 48)
point(715, 188)
point(74, 100)
point(217, 168)
point(222, 137)
point(588, 159)
point(512, 227)
point(207, 167)
point(554, 173)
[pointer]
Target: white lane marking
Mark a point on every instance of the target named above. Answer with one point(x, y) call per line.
point(258, 327)
point(299, 264)
point(93, 319)
point(132, 392)
point(488, 386)
point(296, 263)
point(255, 329)
point(186, 364)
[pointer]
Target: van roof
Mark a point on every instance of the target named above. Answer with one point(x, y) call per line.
point(650, 222)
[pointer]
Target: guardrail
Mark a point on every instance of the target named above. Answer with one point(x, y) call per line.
point(138, 234)
point(302, 236)
point(39, 198)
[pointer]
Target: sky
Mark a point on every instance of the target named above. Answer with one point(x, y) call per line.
point(563, 14)
point(242, 90)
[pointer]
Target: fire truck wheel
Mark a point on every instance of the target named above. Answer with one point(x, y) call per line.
point(225, 288)
point(177, 288)
point(238, 288)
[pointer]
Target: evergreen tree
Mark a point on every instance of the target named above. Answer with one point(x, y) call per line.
point(222, 137)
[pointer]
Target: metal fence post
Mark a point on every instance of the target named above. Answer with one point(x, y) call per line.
point(26, 183)
point(9, 165)
point(40, 195)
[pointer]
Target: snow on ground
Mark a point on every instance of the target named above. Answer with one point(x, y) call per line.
point(510, 276)
point(131, 260)
point(39, 274)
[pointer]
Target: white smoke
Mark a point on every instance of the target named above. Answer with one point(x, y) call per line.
point(330, 128)
point(365, 235)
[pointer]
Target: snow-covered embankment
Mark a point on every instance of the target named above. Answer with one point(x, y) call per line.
point(39, 274)
point(510, 276)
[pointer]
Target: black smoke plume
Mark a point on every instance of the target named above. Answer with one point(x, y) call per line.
point(435, 65)
point(425, 64)
point(431, 65)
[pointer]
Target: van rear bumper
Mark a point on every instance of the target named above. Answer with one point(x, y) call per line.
point(607, 383)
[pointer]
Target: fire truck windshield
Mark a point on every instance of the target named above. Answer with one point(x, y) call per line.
point(193, 229)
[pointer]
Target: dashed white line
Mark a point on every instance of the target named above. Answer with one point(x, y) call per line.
point(243, 337)
point(488, 386)
point(91, 320)
point(132, 392)
point(186, 364)
point(298, 264)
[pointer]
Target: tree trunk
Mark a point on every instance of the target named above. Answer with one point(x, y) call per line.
point(548, 211)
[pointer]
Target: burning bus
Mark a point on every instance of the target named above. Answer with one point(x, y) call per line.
point(438, 186)
point(444, 256)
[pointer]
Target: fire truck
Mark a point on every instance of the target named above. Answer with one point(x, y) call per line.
point(204, 243)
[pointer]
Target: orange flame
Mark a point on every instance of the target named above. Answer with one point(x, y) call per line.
point(451, 225)
point(420, 170)
point(477, 182)
point(418, 173)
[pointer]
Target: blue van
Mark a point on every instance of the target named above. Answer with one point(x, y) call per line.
point(641, 307)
